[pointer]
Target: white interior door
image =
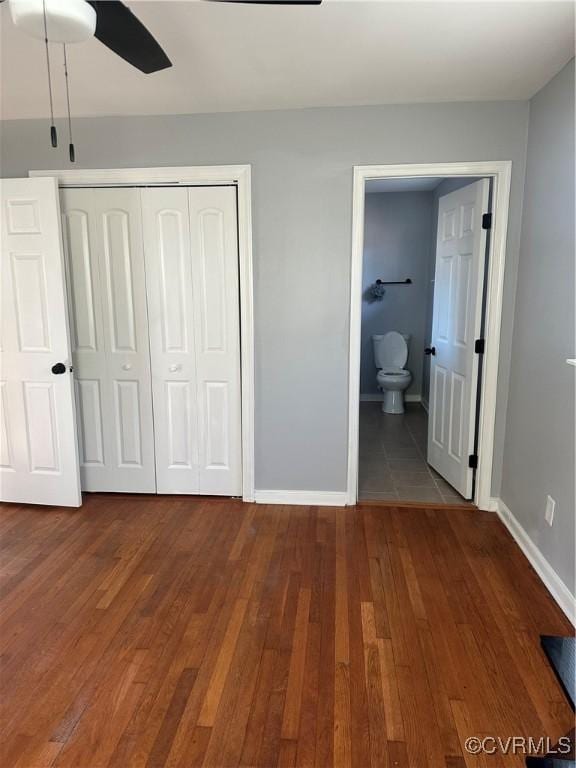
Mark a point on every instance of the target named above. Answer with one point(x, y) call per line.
point(457, 321)
point(103, 237)
point(193, 298)
point(38, 445)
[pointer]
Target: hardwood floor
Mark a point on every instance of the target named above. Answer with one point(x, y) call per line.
point(155, 631)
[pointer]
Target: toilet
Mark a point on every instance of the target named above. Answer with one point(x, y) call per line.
point(390, 355)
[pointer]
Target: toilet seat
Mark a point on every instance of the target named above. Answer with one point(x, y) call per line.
point(395, 373)
point(393, 370)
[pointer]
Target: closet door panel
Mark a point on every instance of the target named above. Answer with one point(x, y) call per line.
point(82, 278)
point(217, 332)
point(180, 428)
point(88, 342)
point(173, 354)
point(107, 294)
point(217, 449)
point(128, 401)
point(120, 272)
point(90, 422)
point(174, 276)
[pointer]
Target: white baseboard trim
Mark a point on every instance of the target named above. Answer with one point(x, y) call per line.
point(547, 574)
point(492, 505)
point(309, 498)
point(424, 404)
point(379, 397)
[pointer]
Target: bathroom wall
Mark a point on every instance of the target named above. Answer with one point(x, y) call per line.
point(397, 245)
point(444, 188)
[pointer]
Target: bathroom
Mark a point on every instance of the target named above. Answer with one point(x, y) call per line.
point(400, 236)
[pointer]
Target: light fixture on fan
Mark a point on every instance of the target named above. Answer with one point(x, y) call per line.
point(69, 21)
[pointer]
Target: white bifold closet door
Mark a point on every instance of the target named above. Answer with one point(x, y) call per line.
point(191, 250)
point(154, 300)
point(107, 297)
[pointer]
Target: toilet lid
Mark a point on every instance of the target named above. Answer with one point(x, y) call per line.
point(394, 349)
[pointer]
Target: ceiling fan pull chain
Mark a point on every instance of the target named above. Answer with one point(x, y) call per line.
point(71, 144)
point(53, 134)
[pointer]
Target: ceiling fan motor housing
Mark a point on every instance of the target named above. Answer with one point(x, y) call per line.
point(67, 21)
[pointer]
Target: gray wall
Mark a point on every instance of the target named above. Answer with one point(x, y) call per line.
point(444, 188)
point(396, 245)
point(302, 199)
point(539, 450)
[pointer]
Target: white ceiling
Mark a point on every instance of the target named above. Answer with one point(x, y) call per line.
point(421, 184)
point(236, 58)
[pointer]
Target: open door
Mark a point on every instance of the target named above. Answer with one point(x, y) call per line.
point(456, 324)
point(38, 443)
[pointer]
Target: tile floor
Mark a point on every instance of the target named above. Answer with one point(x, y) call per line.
point(393, 458)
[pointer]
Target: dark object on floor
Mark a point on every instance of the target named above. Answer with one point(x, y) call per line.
point(553, 760)
point(561, 653)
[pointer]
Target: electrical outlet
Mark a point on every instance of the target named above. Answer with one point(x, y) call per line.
point(550, 507)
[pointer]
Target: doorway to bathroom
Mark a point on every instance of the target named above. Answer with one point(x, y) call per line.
point(428, 254)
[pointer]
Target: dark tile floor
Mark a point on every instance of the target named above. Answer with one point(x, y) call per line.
point(393, 458)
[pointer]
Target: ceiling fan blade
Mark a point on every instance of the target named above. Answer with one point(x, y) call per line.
point(270, 2)
point(119, 29)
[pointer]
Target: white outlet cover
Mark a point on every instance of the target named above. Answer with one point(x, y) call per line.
point(550, 507)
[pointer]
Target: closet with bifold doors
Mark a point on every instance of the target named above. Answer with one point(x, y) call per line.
point(154, 309)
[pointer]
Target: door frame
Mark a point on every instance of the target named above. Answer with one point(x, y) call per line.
point(500, 172)
point(202, 175)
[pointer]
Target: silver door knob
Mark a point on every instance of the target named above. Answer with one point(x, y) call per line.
point(175, 368)
point(127, 367)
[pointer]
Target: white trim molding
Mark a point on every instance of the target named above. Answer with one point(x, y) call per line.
point(130, 177)
point(547, 574)
point(308, 498)
point(500, 172)
point(240, 176)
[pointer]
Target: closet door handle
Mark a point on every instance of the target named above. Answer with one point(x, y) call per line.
point(127, 367)
point(175, 368)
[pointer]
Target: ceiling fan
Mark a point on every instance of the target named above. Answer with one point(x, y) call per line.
point(110, 21)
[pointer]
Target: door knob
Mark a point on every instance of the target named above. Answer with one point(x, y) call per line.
point(127, 367)
point(430, 351)
point(175, 368)
point(58, 368)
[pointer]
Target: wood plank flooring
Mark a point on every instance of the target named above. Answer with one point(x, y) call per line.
point(143, 632)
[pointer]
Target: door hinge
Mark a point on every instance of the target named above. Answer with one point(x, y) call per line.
point(479, 346)
point(473, 461)
point(486, 221)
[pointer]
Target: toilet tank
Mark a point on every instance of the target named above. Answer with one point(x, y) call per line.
point(380, 355)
